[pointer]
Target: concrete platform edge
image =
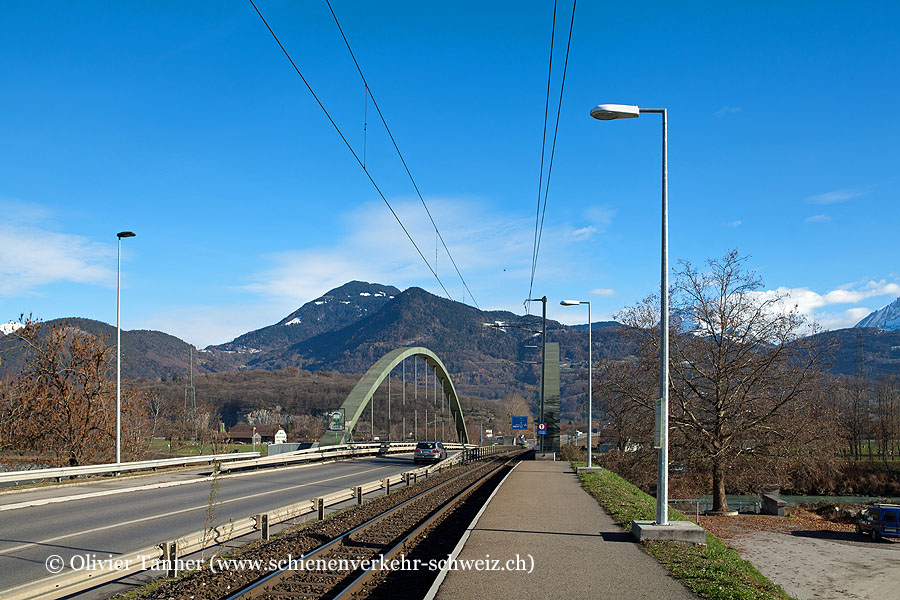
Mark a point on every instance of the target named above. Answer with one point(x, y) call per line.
point(436, 586)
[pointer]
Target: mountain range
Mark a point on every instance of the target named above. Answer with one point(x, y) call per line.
point(886, 318)
point(489, 353)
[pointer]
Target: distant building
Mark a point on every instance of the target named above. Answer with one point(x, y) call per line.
point(268, 434)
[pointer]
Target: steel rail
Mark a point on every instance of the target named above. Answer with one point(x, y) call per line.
point(256, 588)
point(357, 585)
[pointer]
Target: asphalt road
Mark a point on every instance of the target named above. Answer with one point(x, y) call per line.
point(118, 523)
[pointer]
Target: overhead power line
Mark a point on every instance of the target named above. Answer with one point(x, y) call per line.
point(543, 152)
point(350, 148)
point(400, 154)
point(540, 212)
point(553, 146)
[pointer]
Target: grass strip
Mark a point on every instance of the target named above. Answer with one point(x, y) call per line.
point(713, 572)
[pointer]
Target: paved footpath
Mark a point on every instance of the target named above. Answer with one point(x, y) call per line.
point(578, 551)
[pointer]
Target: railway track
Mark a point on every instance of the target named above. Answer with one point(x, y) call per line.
point(362, 561)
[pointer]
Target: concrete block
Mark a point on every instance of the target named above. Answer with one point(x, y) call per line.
point(675, 531)
point(589, 469)
point(545, 456)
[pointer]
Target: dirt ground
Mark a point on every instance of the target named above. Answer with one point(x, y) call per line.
point(811, 557)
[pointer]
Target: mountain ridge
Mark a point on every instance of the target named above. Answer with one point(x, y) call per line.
point(886, 318)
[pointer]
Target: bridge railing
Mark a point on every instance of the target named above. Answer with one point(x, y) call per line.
point(16, 477)
point(73, 582)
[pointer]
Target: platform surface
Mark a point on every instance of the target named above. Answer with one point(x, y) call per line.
point(542, 513)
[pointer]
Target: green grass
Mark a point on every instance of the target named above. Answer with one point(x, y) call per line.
point(714, 571)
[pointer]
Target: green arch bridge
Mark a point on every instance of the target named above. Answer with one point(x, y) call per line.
point(362, 393)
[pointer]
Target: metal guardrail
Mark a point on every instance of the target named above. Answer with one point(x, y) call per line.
point(327, 452)
point(59, 473)
point(65, 584)
point(242, 460)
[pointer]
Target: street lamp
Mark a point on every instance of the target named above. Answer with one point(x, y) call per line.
point(608, 112)
point(590, 443)
point(120, 235)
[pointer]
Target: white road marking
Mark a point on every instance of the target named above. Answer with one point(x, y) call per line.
point(175, 512)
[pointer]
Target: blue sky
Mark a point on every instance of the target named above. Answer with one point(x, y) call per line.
point(184, 123)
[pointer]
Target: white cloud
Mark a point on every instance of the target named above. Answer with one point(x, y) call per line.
point(491, 250)
point(600, 216)
point(816, 305)
point(584, 233)
point(817, 219)
point(605, 292)
point(734, 224)
point(32, 256)
point(728, 110)
point(835, 197)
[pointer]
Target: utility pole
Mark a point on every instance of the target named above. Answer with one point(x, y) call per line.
point(543, 301)
point(389, 437)
point(403, 411)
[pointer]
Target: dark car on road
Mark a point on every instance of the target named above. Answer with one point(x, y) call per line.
point(880, 521)
point(429, 452)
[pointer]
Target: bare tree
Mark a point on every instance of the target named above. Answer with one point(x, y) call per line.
point(744, 380)
point(63, 403)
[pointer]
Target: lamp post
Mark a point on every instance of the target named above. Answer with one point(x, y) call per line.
point(120, 235)
point(590, 443)
point(608, 112)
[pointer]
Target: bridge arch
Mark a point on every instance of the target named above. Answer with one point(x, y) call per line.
point(362, 393)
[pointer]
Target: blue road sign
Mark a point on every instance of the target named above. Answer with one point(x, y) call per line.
point(520, 422)
point(542, 429)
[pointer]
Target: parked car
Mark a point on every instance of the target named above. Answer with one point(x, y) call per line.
point(879, 520)
point(429, 452)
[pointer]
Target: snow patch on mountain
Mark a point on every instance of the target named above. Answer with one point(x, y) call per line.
point(8, 328)
point(294, 321)
point(886, 318)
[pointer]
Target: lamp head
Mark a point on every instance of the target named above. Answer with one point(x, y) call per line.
point(608, 112)
point(570, 302)
point(124, 234)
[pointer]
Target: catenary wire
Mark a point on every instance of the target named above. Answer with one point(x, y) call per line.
point(543, 153)
point(555, 131)
point(349, 147)
point(400, 154)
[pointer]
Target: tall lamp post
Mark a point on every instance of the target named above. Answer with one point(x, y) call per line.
point(120, 235)
point(608, 112)
point(590, 444)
